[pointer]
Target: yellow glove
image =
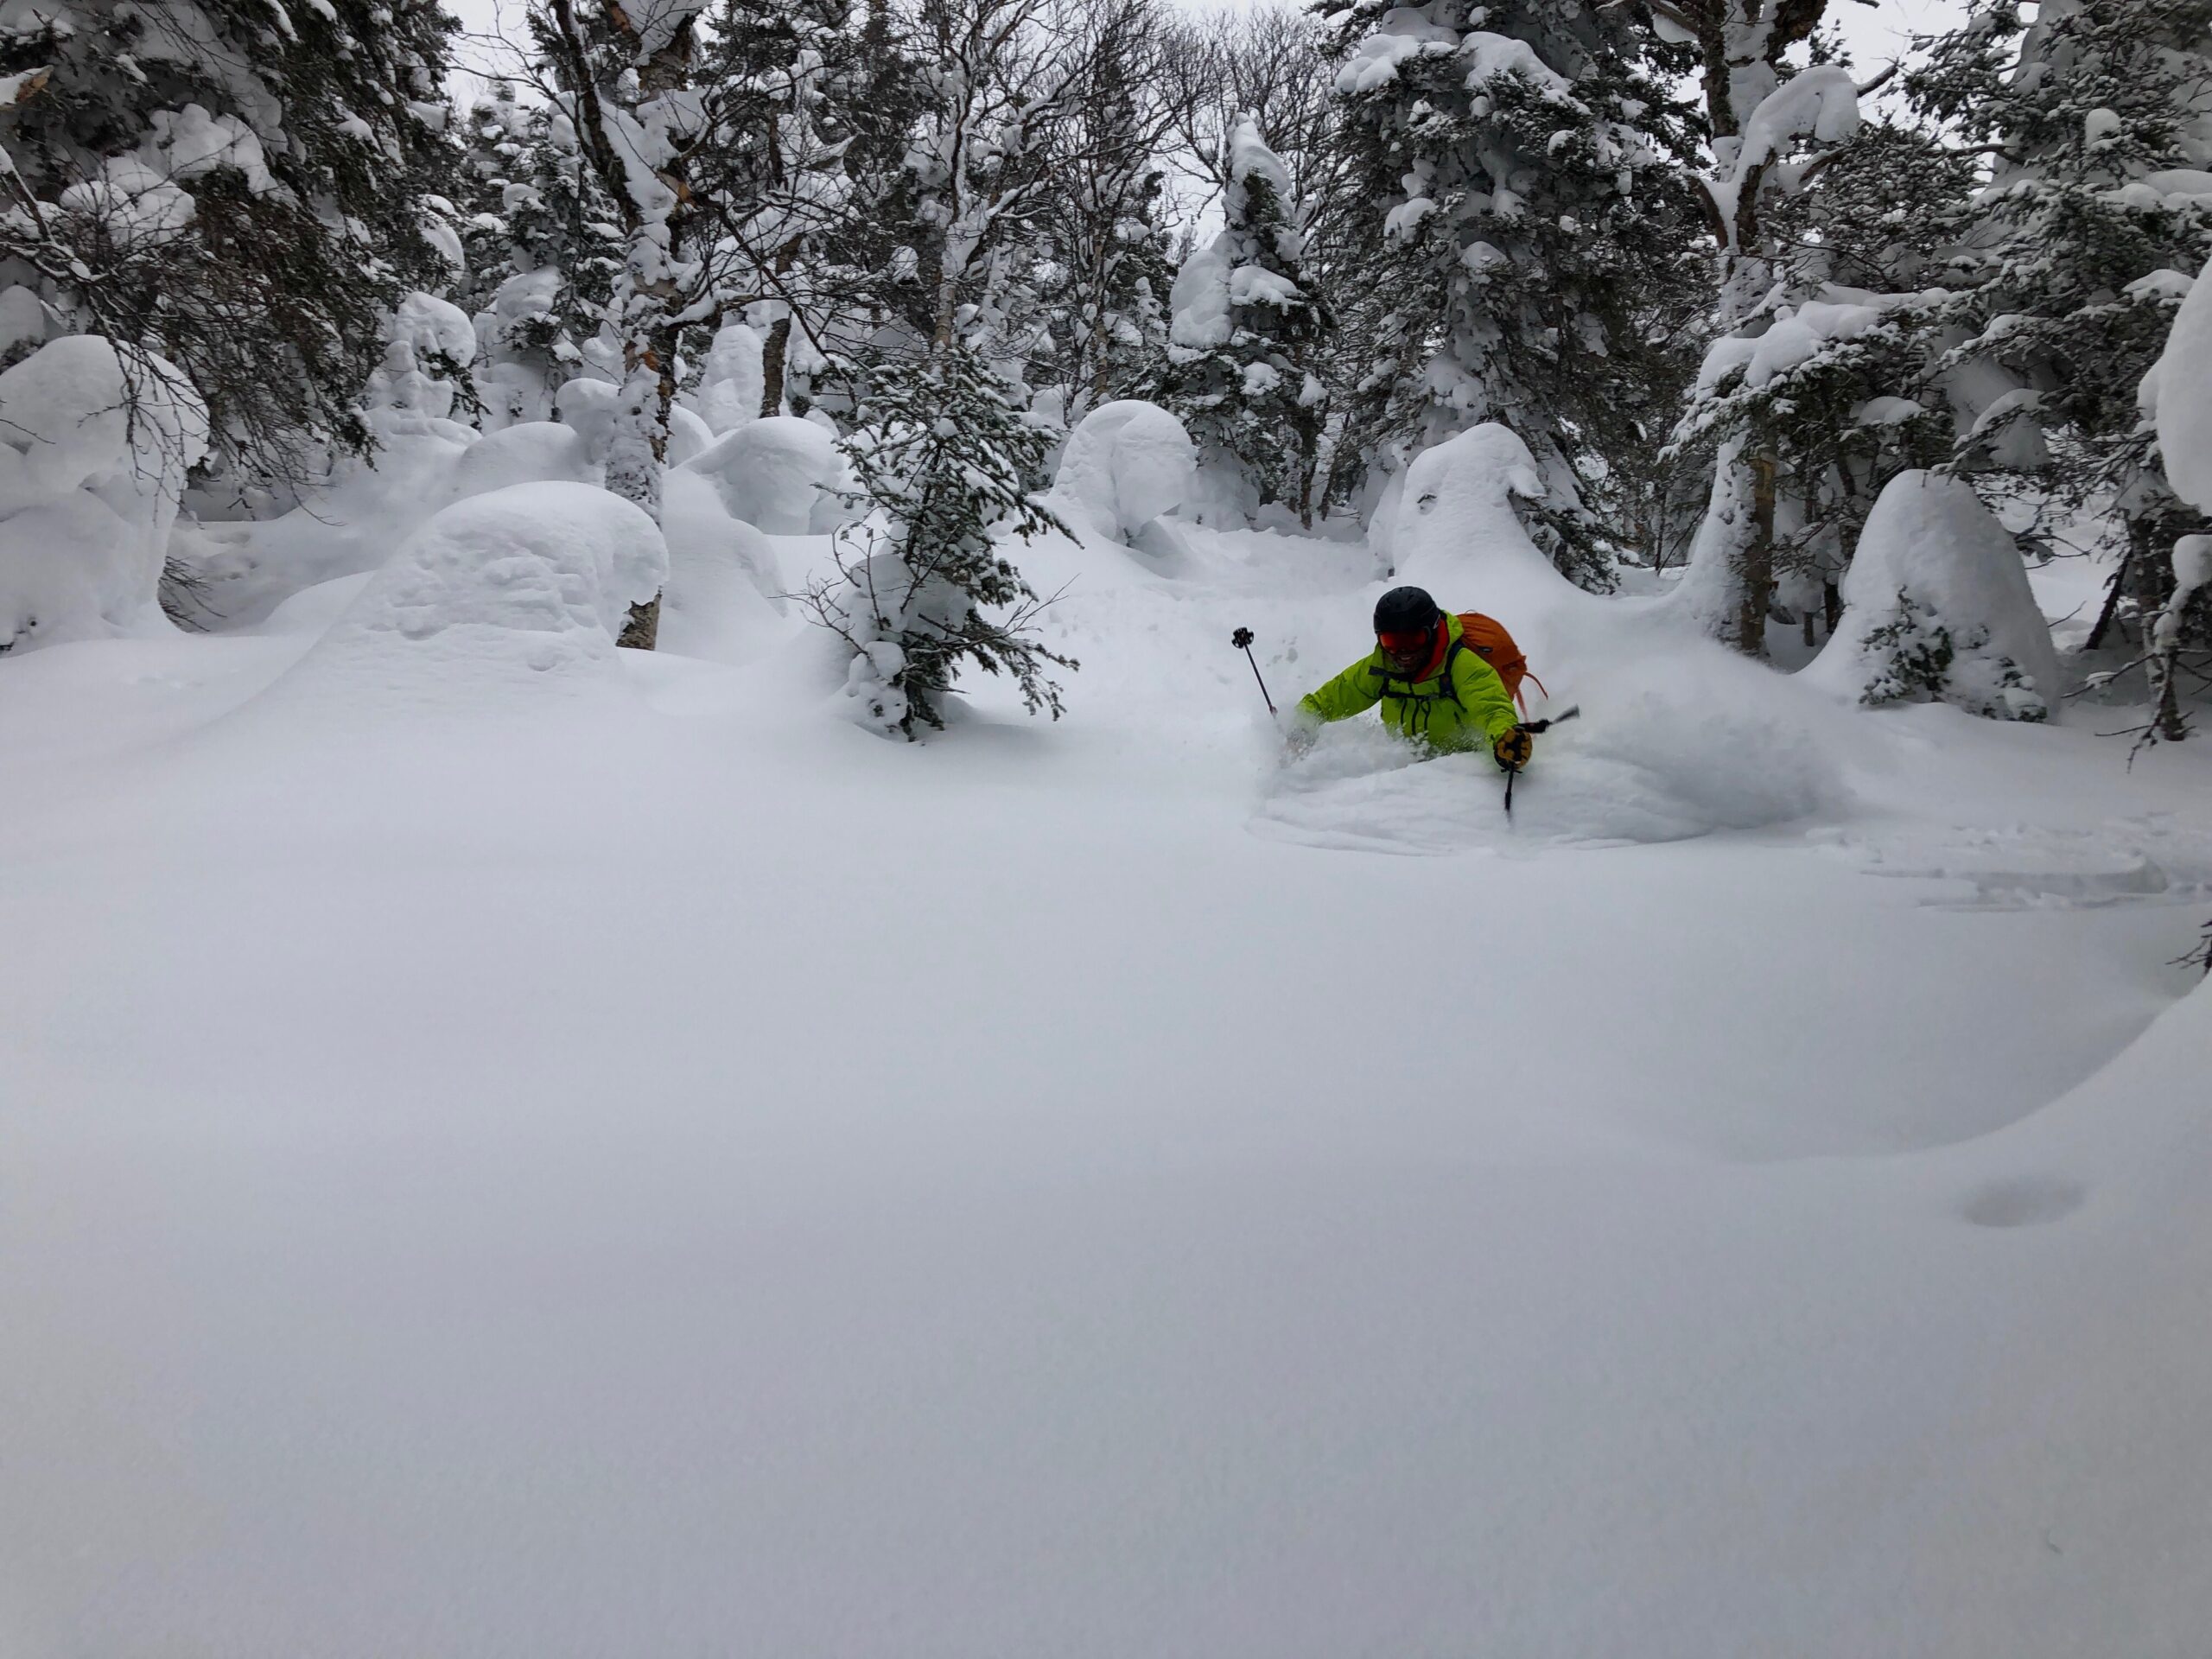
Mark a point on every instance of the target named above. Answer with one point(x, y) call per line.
point(1514, 750)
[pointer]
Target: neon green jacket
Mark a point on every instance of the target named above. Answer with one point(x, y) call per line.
point(1472, 713)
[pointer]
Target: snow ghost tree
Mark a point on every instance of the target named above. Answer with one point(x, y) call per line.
point(1125, 464)
point(922, 585)
point(94, 445)
point(241, 190)
point(1522, 174)
point(1937, 608)
point(1245, 322)
point(2178, 394)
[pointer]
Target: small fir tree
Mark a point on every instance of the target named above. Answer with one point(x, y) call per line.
point(922, 585)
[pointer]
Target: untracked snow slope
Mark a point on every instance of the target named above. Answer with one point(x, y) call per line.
point(665, 1171)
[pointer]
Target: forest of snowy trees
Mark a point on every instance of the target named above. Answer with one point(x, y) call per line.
point(1724, 285)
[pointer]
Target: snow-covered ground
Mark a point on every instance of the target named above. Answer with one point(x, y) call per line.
point(648, 1168)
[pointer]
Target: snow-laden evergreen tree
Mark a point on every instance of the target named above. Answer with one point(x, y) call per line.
point(1772, 123)
point(2075, 258)
point(543, 251)
point(1246, 325)
point(1829, 376)
point(1522, 176)
point(943, 462)
point(242, 189)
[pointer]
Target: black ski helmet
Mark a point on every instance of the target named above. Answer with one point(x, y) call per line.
point(1406, 610)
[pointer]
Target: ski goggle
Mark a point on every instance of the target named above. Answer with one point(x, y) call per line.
point(1404, 645)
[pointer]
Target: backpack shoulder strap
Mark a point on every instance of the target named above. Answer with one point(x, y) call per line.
point(1444, 675)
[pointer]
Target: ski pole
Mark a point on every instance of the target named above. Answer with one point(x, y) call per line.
point(1533, 727)
point(1243, 641)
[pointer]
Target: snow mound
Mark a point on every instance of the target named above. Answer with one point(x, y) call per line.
point(1937, 608)
point(723, 577)
point(771, 473)
point(1127, 463)
point(1703, 747)
point(93, 453)
point(1455, 531)
point(588, 406)
point(2182, 398)
point(731, 380)
point(528, 585)
point(529, 452)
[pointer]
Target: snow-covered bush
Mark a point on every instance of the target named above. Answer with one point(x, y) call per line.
point(921, 583)
point(1937, 608)
point(772, 471)
point(529, 581)
point(1125, 464)
point(94, 446)
point(724, 582)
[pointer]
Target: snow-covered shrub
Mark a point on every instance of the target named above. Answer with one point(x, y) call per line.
point(529, 581)
point(921, 583)
point(772, 471)
point(94, 446)
point(1125, 464)
point(1937, 608)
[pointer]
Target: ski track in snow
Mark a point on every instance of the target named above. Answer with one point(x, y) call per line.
point(670, 1173)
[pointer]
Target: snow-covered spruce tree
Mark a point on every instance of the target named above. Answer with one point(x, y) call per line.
point(1245, 328)
point(2074, 260)
point(1771, 124)
point(240, 189)
point(1524, 179)
point(943, 460)
point(1827, 385)
point(543, 251)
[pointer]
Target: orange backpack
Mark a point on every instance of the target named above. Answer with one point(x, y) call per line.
point(1487, 637)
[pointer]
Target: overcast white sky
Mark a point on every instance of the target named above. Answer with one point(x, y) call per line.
point(1876, 33)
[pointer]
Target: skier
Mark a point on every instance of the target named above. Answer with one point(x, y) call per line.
point(1432, 686)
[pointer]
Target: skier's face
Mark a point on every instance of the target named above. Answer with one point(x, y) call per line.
point(1407, 653)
